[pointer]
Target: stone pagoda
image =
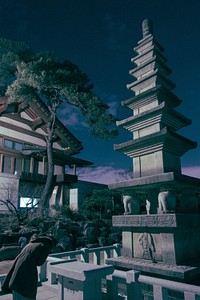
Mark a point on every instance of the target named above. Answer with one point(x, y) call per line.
point(164, 238)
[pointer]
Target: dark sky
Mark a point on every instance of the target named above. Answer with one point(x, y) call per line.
point(99, 36)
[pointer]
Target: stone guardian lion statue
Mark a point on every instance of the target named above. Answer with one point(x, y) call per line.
point(166, 201)
point(131, 204)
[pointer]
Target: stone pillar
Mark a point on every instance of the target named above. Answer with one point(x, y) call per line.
point(168, 248)
point(160, 293)
point(127, 242)
point(80, 281)
point(134, 290)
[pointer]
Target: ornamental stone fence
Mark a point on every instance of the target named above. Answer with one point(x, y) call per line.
point(114, 284)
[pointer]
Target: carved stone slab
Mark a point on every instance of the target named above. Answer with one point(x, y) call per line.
point(180, 272)
point(157, 220)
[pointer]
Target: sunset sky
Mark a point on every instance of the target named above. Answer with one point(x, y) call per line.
point(99, 36)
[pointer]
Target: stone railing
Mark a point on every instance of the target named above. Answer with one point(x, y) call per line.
point(95, 256)
point(132, 285)
point(161, 289)
point(115, 284)
point(118, 285)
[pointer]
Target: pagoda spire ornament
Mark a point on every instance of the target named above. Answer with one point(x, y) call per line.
point(147, 27)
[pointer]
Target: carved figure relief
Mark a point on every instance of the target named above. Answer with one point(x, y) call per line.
point(166, 201)
point(147, 244)
point(131, 205)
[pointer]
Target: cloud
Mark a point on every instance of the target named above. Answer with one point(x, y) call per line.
point(111, 100)
point(192, 171)
point(109, 174)
point(103, 174)
point(113, 105)
point(71, 117)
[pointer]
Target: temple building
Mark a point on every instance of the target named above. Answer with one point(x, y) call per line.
point(23, 159)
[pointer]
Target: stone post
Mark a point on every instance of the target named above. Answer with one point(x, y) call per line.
point(160, 293)
point(134, 290)
point(80, 281)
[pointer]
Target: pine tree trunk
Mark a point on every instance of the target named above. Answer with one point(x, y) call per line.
point(44, 201)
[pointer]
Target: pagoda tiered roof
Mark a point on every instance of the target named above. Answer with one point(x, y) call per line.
point(165, 139)
point(158, 93)
point(154, 121)
point(159, 114)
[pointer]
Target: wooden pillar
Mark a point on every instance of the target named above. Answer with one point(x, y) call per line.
point(1, 162)
point(32, 165)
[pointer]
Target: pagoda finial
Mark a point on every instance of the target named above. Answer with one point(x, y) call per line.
point(147, 27)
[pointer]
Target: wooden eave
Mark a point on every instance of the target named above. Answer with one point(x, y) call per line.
point(38, 111)
point(61, 132)
point(20, 129)
point(60, 155)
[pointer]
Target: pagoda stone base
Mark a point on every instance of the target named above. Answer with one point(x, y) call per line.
point(184, 187)
point(182, 273)
point(163, 244)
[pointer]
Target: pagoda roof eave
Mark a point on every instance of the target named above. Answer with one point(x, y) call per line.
point(151, 49)
point(145, 183)
point(174, 118)
point(155, 90)
point(158, 76)
point(156, 141)
point(147, 39)
point(157, 62)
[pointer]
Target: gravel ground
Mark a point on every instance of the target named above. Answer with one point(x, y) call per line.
point(5, 266)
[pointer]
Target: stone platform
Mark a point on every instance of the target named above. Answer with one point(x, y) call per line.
point(166, 245)
point(182, 273)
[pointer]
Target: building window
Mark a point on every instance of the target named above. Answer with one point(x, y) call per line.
point(73, 199)
point(18, 146)
point(18, 166)
point(27, 164)
point(8, 144)
point(1, 141)
point(35, 166)
point(12, 145)
point(28, 202)
point(7, 164)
